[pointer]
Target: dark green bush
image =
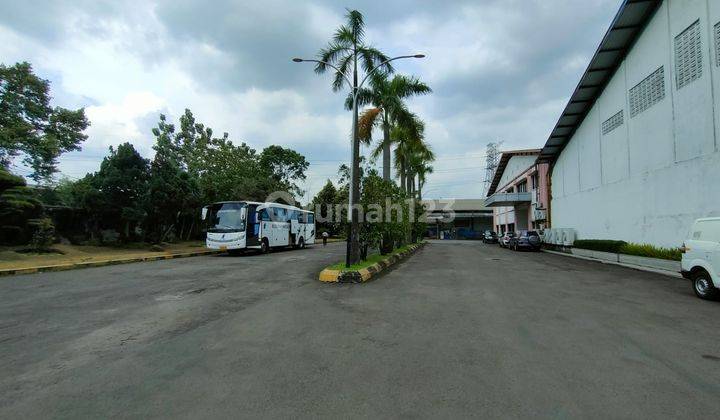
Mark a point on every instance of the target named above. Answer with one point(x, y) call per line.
point(604, 245)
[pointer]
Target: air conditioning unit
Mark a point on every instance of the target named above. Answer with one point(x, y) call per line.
point(549, 236)
point(568, 237)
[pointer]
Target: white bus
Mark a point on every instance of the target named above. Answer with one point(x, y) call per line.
point(238, 225)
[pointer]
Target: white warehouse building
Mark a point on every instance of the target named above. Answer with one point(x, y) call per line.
point(635, 155)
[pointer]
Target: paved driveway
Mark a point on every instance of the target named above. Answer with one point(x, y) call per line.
point(462, 329)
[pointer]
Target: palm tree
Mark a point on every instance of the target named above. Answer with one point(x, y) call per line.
point(411, 151)
point(344, 52)
point(387, 97)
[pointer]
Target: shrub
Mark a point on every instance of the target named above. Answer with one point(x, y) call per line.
point(622, 247)
point(647, 250)
point(604, 245)
point(44, 235)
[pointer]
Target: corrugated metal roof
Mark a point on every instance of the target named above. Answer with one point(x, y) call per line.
point(627, 26)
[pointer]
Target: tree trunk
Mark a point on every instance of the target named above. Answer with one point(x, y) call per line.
point(386, 147)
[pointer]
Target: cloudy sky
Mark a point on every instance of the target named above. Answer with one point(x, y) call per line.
point(501, 70)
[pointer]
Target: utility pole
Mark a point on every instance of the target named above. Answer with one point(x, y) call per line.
point(492, 159)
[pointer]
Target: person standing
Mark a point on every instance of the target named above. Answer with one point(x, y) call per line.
point(325, 237)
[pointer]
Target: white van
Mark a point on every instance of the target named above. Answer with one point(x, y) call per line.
point(701, 257)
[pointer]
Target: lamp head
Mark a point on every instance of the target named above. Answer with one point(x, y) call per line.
point(297, 60)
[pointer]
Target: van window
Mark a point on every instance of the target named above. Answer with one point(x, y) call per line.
point(708, 230)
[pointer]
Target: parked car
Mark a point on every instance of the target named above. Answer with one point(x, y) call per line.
point(504, 239)
point(701, 257)
point(525, 239)
point(489, 237)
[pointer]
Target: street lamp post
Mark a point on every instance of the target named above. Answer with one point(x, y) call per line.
point(354, 191)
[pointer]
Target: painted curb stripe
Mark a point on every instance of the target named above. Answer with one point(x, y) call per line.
point(101, 263)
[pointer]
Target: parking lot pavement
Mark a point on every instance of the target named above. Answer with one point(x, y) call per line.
point(458, 330)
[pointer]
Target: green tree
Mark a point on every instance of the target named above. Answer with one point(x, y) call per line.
point(387, 96)
point(324, 204)
point(172, 198)
point(122, 184)
point(29, 126)
point(18, 205)
point(285, 167)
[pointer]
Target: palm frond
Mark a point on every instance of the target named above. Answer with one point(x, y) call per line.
point(365, 97)
point(371, 57)
point(344, 35)
point(367, 120)
point(357, 25)
point(406, 86)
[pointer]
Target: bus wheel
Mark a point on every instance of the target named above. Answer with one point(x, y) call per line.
point(301, 243)
point(264, 246)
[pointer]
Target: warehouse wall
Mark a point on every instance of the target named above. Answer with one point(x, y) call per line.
point(649, 178)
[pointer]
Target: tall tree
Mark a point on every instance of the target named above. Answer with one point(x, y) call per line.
point(29, 126)
point(387, 96)
point(346, 51)
point(122, 183)
point(285, 167)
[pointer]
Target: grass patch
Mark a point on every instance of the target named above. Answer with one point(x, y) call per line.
point(622, 247)
point(645, 250)
point(372, 259)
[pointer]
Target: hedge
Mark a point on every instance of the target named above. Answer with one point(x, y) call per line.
point(622, 247)
point(604, 245)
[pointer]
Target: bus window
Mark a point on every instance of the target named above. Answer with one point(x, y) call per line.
point(280, 214)
point(264, 215)
point(294, 215)
point(310, 218)
point(303, 217)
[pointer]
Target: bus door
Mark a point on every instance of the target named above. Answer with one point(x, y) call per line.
point(252, 233)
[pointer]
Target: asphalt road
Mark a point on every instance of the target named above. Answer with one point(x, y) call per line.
point(460, 330)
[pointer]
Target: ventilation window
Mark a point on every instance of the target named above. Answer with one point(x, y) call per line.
point(612, 123)
point(648, 92)
point(688, 55)
point(717, 44)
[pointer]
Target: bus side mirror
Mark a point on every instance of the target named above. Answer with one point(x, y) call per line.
point(243, 213)
point(203, 213)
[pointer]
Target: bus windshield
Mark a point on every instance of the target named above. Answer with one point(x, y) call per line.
point(227, 217)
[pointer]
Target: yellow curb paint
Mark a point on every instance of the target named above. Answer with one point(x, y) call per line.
point(365, 274)
point(329, 276)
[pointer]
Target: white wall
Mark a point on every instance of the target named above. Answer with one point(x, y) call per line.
point(647, 180)
point(515, 166)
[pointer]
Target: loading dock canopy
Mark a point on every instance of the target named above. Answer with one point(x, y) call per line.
point(508, 199)
point(627, 26)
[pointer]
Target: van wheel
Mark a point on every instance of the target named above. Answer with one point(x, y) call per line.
point(703, 286)
point(301, 243)
point(264, 246)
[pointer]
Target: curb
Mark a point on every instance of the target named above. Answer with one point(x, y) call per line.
point(621, 264)
point(365, 274)
point(103, 263)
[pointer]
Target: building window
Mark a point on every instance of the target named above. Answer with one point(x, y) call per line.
point(613, 122)
point(522, 187)
point(648, 92)
point(688, 55)
point(534, 181)
point(510, 190)
point(717, 44)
